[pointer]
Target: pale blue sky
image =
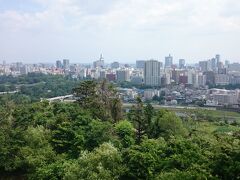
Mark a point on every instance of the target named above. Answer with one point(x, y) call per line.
point(123, 30)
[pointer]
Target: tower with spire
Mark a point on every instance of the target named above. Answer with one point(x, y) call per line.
point(99, 63)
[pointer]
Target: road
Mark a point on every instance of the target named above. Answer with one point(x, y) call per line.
point(128, 105)
point(156, 106)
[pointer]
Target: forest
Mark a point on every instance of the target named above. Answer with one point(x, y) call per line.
point(34, 86)
point(95, 138)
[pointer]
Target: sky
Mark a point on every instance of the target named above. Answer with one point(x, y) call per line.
point(35, 31)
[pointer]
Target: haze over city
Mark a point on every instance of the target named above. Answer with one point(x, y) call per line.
point(123, 30)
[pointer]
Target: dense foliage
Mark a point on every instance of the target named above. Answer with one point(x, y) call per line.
point(93, 139)
point(34, 86)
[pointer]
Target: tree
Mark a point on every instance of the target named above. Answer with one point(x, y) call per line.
point(226, 159)
point(166, 124)
point(104, 163)
point(100, 98)
point(66, 140)
point(136, 116)
point(125, 132)
point(148, 115)
point(38, 151)
point(110, 100)
point(145, 160)
point(86, 93)
point(116, 109)
point(96, 133)
point(186, 175)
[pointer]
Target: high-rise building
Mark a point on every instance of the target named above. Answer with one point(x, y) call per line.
point(58, 64)
point(24, 69)
point(205, 66)
point(222, 70)
point(217, 57)
point(115, 65)
point(181, 63)
point(111, 77)
point(123, 75)
point(222, 79)
point(102, 74)
point(136, 80)
point(201, 79)
point(161, 64)
point(234, 67)
point(210, 77)
point(227, 63)
point(140, 64)
point(168, 61)
point(66, 64)
point(213, 64)
point(152, 75)
point(99, 63)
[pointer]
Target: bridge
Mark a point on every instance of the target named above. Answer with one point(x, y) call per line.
point(58, 98)
point(9, 92)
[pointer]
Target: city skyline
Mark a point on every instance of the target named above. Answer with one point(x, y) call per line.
point(41, 31)
point(174, 60)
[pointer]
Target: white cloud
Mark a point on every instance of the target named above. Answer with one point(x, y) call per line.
point(143, 14)
point(105, 23)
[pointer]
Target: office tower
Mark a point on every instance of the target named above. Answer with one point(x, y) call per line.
point(161, 64)
point(175, 75)
point(221, 79)
point(59, 64)
point(18, 65)
point(111, 77)
point(217, 57)
point(115, 65)
point(181, 63)
point(168, 61)
point(234, 67)
point(140, 64)
point(123, 75)
point(201, 79)
point(102, 75)
point(73, 68)
point(136, 80)
point(210, 77)
point(191, 74)
point(152, 75)
point(24, 69)
point(205, 66)
point(65, 64)
point(82, 73)
point(213, 64)
point(183, 79)
point(99, 63)
point(222, 70)
point(227, 63)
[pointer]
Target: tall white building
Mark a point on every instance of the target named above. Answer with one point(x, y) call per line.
point(152, 75)
point(201, 79)
point(99, 63)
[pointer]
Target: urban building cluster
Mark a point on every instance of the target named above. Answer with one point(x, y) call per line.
point(178, 83)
